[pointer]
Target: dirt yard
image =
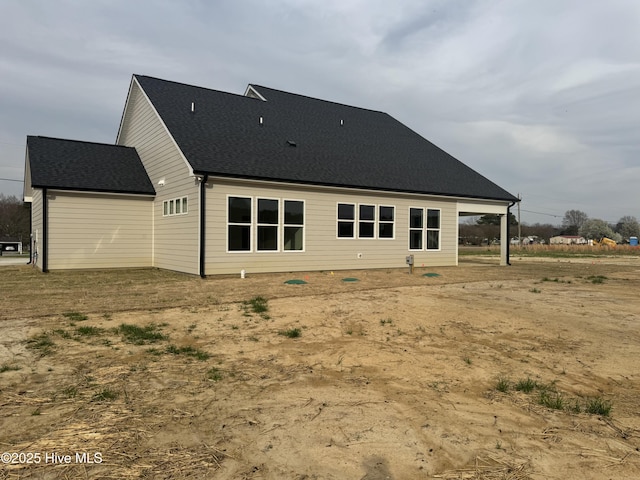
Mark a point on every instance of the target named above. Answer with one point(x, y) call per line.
point(483, 372)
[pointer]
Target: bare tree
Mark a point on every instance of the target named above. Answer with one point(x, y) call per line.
point(573, 221)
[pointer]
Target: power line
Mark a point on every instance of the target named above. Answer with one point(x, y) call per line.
point(541, 213)
point(12, 180)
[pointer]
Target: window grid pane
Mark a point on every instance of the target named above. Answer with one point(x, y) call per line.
point(415, 239)
point(293, 212)
point(267, 211)
point(433, 239)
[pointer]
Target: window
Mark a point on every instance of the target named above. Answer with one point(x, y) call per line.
point(267, 224)
point(366, 221)
point(385, 221)
point(433, 229)
point(239, 224)
point(370, 219)
point(293, 225)
point(346, 220)
point(175, 206)
point(416, 227)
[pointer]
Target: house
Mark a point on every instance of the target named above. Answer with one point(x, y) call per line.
point(206, 182)
point(567, 240)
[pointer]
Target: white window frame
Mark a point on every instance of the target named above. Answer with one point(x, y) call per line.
point(374, 221)
point(277, 225)
point(428, 229)
point(254, 224)
point(170, 206)
point(386, 222)
point(420, 229)
point(354, 221)
point(250, 224)
point(303, 226)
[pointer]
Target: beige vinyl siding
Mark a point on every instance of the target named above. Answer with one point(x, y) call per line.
point(176, 239)
point(99, 231)
point(36, 224)
point(323, 250)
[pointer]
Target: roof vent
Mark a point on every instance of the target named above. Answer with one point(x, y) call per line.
point(341, 122)
point(193, 107)
point(291, 143)
point(261, 121)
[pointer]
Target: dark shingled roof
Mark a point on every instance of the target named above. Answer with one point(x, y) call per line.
point(86, 166)
point(307, 140)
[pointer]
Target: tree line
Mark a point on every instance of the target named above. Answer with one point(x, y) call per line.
point(486, 229)
point(14, 219)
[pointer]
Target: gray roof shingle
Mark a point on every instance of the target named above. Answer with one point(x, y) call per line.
point(85, 166)
point(335, 144)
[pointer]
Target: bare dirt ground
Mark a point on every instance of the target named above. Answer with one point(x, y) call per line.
point(393, 376)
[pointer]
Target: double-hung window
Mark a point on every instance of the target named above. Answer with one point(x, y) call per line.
point(416, 228)
point(346, 220)
point(366, 221)
point(386, 216)
point(293, 225)
point(433, 229)
point(268, 221)
point(239, 224)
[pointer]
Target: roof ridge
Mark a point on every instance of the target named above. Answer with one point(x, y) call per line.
point(192, 86)
point(77, 141)
point(317, 99)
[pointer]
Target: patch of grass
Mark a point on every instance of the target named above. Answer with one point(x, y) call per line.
point(189, 351)
point(551, 400)
point(214, 374)
point(503, 384)
point(253, 338)
point(106, 394)
point(597, 278)
point(535, 290)
point(386, 321)
point(89, 331)
point(8, 368)
point(75, 316)
point(141, 335)
point(259, 304)
point(598, 406)
point(42, 343)
point(291, 333)
point(467, 360)
point(526, 385)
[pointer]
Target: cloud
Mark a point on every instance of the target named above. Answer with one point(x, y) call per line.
point(541, 97)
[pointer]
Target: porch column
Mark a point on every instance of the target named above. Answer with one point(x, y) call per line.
point(504, 239)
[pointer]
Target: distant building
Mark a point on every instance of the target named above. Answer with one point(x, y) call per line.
point(568, 240)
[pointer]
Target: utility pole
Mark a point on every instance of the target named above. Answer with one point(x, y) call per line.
point(519, 230)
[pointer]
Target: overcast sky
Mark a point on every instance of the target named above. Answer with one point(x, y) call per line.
point(540, 96)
